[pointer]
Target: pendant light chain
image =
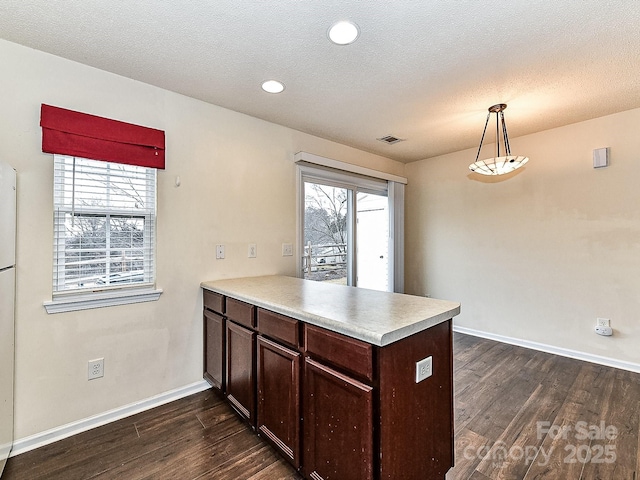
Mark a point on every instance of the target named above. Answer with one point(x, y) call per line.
point(483, 133)
point(507, 147)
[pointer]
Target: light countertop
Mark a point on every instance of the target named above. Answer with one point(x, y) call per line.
point(379, 318)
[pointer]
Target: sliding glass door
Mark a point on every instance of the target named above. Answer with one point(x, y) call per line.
point(327, 233)
point(346, 226)
point(372, 241)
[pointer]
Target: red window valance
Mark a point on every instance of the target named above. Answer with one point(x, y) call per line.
point(66, 132)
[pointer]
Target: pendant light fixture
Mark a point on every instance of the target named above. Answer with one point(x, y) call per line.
point(500, 164)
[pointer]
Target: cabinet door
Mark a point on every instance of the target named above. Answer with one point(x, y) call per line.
point(240, 370)
point(279, 397)
point(338, 427)
point(214, 349)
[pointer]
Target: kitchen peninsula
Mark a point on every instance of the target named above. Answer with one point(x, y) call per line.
point(346, 383)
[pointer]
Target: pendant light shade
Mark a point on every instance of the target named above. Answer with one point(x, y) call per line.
point(500, 164)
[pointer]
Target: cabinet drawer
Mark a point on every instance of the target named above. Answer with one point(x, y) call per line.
point(213, 301)
point(241, 312)
point(278, 327)
point(345, 352)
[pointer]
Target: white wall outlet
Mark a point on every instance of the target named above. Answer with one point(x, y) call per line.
point(253, 250)
point(603, 322)
point(424, 369)
point(96, 368)
point(219, 252)
point(287, 249)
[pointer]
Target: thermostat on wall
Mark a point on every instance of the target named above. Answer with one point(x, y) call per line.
point(601, 157)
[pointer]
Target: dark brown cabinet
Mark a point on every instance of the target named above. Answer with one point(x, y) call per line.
point(214, 339)
point(338, 425)
point(240, 312)
point(278, 327)
point(214, 361)
point(279, 397)
point(349, 354)
point(416, 419)
point(240, 380)
point(336, 407)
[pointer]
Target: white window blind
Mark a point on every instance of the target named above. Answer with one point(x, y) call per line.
point(104, 225)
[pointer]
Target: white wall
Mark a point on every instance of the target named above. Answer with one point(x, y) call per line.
point(238, 187)
point(539, 255)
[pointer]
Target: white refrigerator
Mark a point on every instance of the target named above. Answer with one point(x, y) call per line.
point(7, 300)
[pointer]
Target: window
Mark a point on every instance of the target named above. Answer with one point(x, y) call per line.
point(104, 211)
point(104, 227)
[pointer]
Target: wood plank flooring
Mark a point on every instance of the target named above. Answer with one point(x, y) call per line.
point(519, 414)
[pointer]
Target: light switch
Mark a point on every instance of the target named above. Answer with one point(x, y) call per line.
point(287, 249)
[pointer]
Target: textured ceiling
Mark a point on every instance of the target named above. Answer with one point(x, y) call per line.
point(424, 71)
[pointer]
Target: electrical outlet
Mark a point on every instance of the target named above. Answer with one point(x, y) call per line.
point(287, 250)
point(424, 369)
point(253, 251)
point(96, 368)
point(605, 331)
point(603, 322)
point(219, 252)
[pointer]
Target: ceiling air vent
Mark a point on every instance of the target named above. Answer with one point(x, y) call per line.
point(390, 139)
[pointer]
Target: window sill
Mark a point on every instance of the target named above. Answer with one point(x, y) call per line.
point(101, 299)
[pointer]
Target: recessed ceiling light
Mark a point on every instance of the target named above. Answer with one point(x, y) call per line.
point(273, 86)
point(344, 33)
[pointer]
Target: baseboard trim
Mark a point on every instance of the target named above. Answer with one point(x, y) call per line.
point(32, 442)
point(564, 352)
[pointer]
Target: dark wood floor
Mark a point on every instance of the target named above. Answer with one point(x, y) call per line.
point(511, 407)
